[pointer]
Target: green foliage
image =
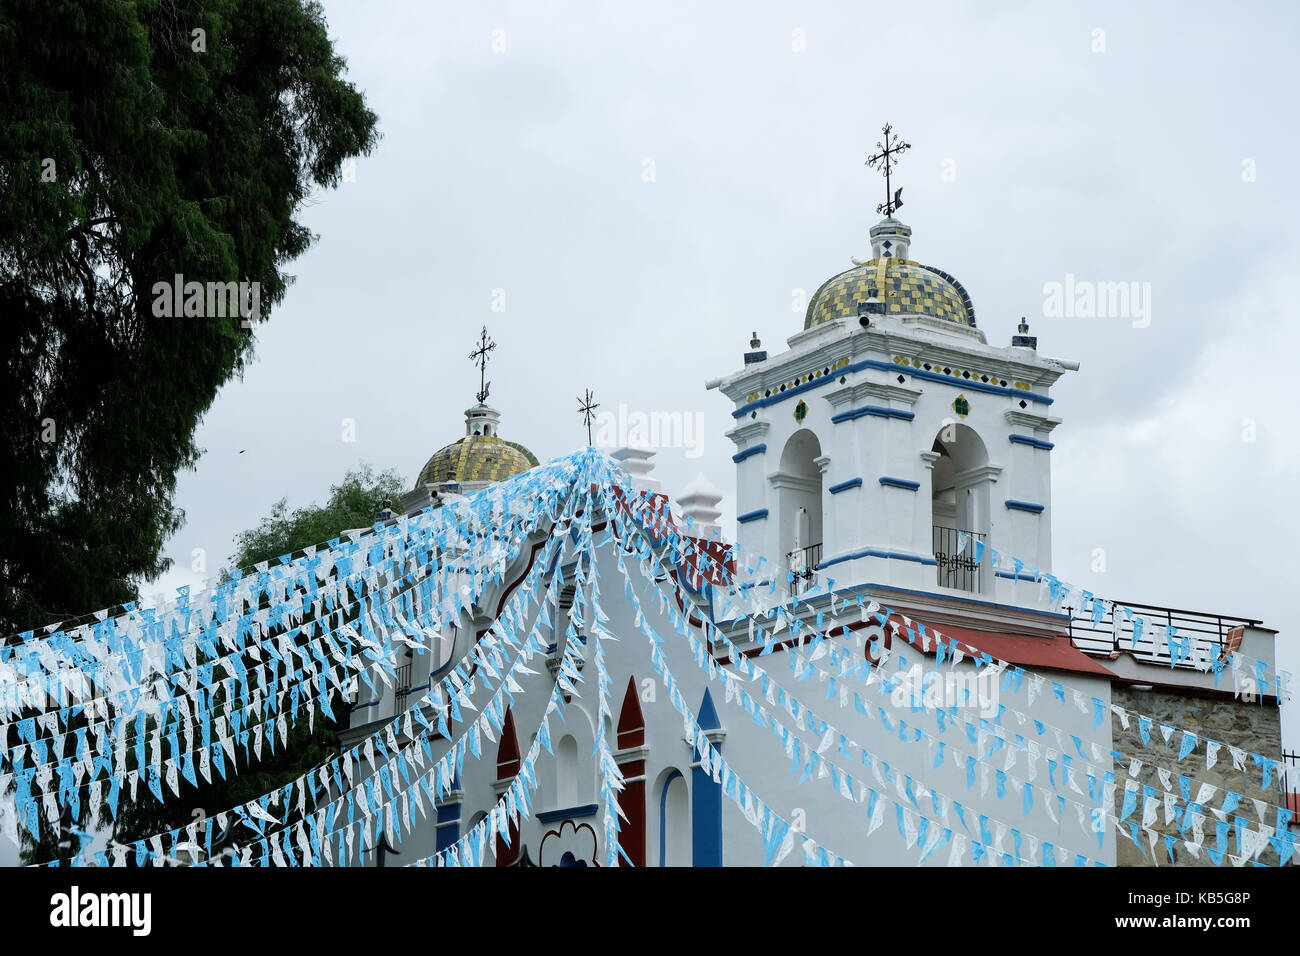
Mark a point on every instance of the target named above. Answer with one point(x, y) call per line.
point(128, 157)
point(352, 504)
point(132, 150)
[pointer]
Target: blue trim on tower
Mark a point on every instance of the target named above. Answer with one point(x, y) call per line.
point(960, 383)
point(572, 813)
point(876, 411)
point(447, 827)
point(900, 483)
point(740, 456)
point(845, 486)
point(1014, 575)
point(751, 516)
point(1029, 506)
point(706, 797)
point(875, 553)
point(1031, 441)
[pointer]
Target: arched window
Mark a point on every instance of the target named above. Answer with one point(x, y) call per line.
point(474, 821)
point(507, 768)
point(674, 821)
point(960, 496)
point(631, 799)
point(798, 486)
point(566, 773)
point(441, 645)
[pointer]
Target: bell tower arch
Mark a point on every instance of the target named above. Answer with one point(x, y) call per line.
point(893, 435)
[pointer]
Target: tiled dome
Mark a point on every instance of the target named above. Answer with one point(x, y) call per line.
point(903, 286)
point(477, 458)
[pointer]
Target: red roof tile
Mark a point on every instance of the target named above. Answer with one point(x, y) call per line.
point(1031, 653)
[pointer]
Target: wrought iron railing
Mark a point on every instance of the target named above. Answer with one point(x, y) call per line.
point(1290, 774)
point(1113, 632)
point(401, 688)
point(802, 563)
point(956, 567)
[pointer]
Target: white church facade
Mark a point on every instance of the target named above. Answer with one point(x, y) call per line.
point(889, 457)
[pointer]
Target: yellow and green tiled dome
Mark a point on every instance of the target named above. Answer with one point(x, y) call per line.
point(477, 458)
point(903, 286)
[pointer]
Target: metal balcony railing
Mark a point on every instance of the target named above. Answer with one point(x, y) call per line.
point(956, 569)
point(802, 563)
point(1114, 632)
point(402, 688)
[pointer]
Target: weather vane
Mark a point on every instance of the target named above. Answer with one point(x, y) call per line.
point(586, 406)
point(885, 160)
point(480, 357)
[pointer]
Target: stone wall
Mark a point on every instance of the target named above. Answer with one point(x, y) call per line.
point(1253, 727)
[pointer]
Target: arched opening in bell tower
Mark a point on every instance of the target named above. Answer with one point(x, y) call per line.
point(960, 499)
point(799, 504)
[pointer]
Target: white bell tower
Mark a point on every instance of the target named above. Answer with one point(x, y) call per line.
point(890, 432)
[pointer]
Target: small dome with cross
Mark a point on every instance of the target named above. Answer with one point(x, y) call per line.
point(482, 456)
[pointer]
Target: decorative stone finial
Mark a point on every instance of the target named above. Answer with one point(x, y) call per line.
point(638, 463)
point(700, 502)
point(1024, 340)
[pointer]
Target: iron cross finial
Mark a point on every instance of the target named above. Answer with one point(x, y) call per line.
point(885, 160)
point(480, 358)
point(585, 407)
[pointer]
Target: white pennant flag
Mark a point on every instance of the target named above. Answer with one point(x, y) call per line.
point(1211, 753)
point(1150, 807)
point(1238, 757)
point(877, 816)
point(909, 827)
point(958, 852)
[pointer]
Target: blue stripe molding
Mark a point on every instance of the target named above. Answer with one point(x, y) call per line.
point(900, 483)
point(573, 813)
point(1015, 575)
point(876, 411)
point(874, 553)
point(963, 384)
point(1024, 506)
point(752, 516)
point(1031, 441)
point(740, 456)
point(845, 486)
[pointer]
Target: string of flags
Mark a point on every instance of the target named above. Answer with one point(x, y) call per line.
point(86, 710)
point(377, 651)
point(690, 553)
point(1279, 836)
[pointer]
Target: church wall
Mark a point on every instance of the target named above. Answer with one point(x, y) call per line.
point(1253, 727)
point(758, 757)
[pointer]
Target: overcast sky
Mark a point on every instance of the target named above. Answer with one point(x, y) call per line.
point(647, 183)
